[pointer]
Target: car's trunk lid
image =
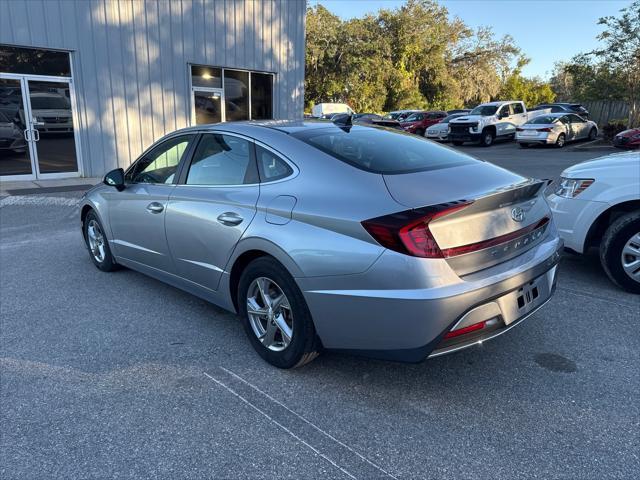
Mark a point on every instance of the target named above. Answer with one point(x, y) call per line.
point(506, 216)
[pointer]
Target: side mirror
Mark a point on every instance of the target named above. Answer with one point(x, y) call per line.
point(115, 178)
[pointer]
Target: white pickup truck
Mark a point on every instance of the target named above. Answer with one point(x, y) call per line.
point(490, 121)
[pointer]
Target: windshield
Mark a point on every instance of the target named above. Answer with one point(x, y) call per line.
point(484, 110)
point(53, 102)
point(451, 117)
point(414, 117)
point(381, 150)
point(544, 119)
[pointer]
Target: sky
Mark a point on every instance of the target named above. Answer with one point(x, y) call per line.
point(547, 31)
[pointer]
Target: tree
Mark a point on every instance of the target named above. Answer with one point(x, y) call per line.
point(621, 52)
point(530, 90)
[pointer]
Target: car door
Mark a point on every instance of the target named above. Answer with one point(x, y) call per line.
point(578, 127)
point(211, 207)
point(137, 213)
point(504, 125)
point(519, 117)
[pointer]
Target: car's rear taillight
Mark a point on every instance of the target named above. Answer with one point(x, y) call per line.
point(518, 129)
point(408, 232)
point(546, 129)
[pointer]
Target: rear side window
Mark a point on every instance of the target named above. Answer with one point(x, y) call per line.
point(380, 150)
point(221, 160)
point(271, 166)
point(517, 108)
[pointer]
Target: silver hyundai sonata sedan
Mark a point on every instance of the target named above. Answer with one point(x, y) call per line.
point(337, 236)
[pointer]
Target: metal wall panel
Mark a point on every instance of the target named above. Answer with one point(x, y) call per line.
point(130, 60)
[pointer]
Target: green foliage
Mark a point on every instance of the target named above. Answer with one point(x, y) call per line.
point(531, 90)
point(410, 57)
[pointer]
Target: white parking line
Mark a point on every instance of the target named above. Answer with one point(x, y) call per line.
point(317, 452)
point(378, 467)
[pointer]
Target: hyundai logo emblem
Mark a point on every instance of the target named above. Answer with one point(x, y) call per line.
point(517, 214)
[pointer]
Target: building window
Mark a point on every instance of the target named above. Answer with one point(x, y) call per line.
point(261, 96)
point(227, 95)
point(209, 77)
point(34, 61)
point(236, 95)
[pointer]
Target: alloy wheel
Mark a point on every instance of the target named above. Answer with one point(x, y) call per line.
point(630, 257)
point(269, 313)
point(95, 237)
point(560, 141)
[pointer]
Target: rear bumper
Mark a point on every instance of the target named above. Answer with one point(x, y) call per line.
point(409, 324)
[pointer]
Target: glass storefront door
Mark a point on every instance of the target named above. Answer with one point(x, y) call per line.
point(37, 138)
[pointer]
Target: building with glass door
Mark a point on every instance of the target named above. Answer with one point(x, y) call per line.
point(87, 86)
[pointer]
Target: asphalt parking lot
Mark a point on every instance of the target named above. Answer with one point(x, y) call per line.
point(120, 376)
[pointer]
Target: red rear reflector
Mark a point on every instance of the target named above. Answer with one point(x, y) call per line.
point(518, 129)
point(463, 330)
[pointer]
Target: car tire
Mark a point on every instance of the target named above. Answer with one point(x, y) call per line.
point(561, 140)
point(97, 243)
point(622, 236)
point(420, 132)
point(304, 344)
point(593, 133)
point(457, 143)
point(487, 138)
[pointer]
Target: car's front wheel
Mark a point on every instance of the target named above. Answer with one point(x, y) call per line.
point(275, 315)
point(487, 138)
point(97, 243)
point(620, 252)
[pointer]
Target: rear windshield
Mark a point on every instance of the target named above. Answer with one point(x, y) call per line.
point(543, 119)
point(381, 150)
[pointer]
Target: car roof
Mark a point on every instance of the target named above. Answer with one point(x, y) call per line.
point(284, 126)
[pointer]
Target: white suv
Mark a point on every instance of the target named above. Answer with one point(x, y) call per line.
point(597, 204)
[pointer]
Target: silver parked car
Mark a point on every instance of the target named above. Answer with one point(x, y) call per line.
point(556, 129)
point(341, 236)
point(440, 131)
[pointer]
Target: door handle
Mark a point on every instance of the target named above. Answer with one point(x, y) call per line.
point(27, 135)
point(155, 207)
point(230, 219)
point(37, 137)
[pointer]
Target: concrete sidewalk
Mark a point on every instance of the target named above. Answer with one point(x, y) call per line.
point(47, 186)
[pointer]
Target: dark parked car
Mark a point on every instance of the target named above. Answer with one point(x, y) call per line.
point(419, 122)
point(564, 108)
point(366, 117)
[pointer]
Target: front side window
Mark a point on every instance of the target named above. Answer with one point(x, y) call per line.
point(517, 108)
point(271, 166)
point(161, 163)
point(221, 160)
point(576, 119)
point(415, 117)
